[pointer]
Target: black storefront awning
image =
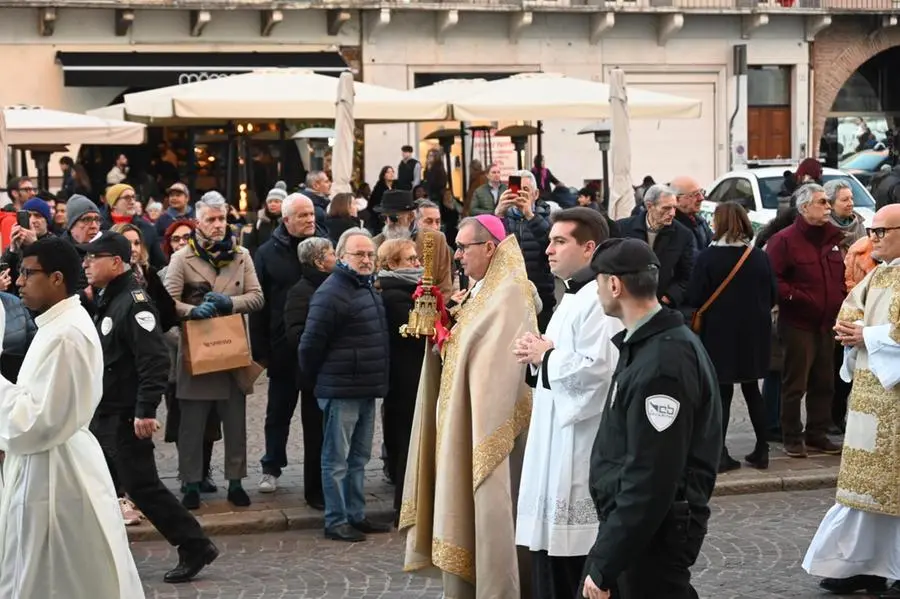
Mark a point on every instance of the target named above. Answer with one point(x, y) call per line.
point(162, 69)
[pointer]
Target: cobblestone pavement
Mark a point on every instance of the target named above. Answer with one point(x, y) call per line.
point(753, 551)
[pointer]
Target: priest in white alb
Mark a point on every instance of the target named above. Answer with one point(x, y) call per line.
point(61, 532)
point(857, 546)
point(571, 368)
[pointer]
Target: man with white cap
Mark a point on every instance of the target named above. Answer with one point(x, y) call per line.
point(178, 207)
point(267, 219)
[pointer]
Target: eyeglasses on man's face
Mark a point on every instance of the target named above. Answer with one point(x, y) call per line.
point(361, 255)
point(464, 247)
point(879, 232)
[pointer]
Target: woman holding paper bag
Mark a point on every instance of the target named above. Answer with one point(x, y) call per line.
point(212, 276)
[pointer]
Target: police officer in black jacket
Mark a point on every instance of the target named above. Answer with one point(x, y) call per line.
point(136, 370)
point(655, 458)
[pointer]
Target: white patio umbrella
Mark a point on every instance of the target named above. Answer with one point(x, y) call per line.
point(342, 152)
point(542, 96)
point(31, 125)
point(449, 91)
point(276, 94)
point(621, 193)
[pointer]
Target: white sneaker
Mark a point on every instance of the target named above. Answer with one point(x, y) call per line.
point(268, 483)
point(130, 515)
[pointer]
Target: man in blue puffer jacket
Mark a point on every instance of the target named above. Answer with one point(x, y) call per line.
point(344, 352)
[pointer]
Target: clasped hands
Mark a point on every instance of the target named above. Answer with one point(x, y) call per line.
point(530, 348)
point(848, 333)
point(214, 304)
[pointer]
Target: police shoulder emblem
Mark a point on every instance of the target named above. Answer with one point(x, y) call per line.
point(139, 296)
point(661, 411)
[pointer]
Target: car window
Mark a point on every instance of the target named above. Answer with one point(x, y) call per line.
point(743, 194)
point(721, 191)
point(865, 161)
point(770, 187)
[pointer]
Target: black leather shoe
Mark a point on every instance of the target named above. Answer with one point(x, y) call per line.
point(853, 584)
point(760, 457)
point(191, 500)
point(367, 526)
point(728, 463)
point(208, 486)
point(190, 562)
point(316, 503)
point(344, 532)
point(238, 497)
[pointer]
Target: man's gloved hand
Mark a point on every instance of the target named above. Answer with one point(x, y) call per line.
point(204, 310)
point(222, 302)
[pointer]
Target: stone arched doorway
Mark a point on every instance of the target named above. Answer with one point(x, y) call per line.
point(844, 56)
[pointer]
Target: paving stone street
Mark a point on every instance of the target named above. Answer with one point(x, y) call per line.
point(753, 551)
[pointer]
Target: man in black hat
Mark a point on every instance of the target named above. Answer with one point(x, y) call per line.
point(135, 374)
point(655, 458)
point(399, 210)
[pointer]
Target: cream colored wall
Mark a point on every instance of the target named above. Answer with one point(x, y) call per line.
point(32, 76)
point(699, 54)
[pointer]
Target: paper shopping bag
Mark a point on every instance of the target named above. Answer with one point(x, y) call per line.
point(246, 377)
point(216, 345)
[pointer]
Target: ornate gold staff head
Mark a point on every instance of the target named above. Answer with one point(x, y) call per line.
point(424, 313)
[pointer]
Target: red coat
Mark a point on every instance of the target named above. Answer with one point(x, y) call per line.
point(809, 267)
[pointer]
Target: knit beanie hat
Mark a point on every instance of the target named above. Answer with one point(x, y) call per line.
point(278, 193)
point(38, 205)
point(78, 206)
point(114, 191)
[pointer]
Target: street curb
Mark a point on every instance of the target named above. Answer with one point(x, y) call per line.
point(254, 522)
point(763, 484)
point(303, 518)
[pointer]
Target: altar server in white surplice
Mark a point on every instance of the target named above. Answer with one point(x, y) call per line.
point(61, 532)
point(857, 546)
point(571, 368)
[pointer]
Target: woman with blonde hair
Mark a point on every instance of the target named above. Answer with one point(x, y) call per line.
point(399, 274)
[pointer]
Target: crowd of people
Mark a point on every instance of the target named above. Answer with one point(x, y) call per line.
point(325, 281)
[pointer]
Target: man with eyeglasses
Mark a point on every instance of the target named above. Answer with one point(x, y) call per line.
point(135, 376)
point(20, 191)
point(344, 352)
point(60, 526)
point(462, 477)
point(854, 547)
point(809, 268)
point(83, 222)
point(689, 196)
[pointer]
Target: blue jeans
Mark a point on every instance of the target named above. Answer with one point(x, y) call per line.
point(346, 449)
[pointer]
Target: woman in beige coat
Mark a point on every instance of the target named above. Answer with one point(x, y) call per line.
point(212, 276)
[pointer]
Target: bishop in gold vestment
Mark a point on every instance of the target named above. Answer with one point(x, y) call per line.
point(472, 410)
point(858, 542)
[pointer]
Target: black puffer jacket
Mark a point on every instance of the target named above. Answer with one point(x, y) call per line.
point(345, 347)
point(278, 270)
point(534, 237)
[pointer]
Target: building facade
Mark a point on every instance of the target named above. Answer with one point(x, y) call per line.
point(800, 54)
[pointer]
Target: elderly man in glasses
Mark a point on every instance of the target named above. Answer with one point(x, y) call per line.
point(854, 548)
point(809, 268)
point(344, 352)
point(689, 196)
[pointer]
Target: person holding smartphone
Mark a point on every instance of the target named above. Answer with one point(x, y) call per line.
point(32, 223)
point(528, 218)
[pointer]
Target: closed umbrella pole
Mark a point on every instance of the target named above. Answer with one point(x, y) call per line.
point(621, 199)
point(342, 153)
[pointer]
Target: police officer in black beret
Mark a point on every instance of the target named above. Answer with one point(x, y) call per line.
point(655, 458)
point(135, 375)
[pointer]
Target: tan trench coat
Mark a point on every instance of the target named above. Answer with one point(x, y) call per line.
point(237, 280)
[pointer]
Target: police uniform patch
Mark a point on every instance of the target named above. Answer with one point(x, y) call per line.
point(146, 320)
point(106, 325)
point(139, 296)
point(661, 411)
